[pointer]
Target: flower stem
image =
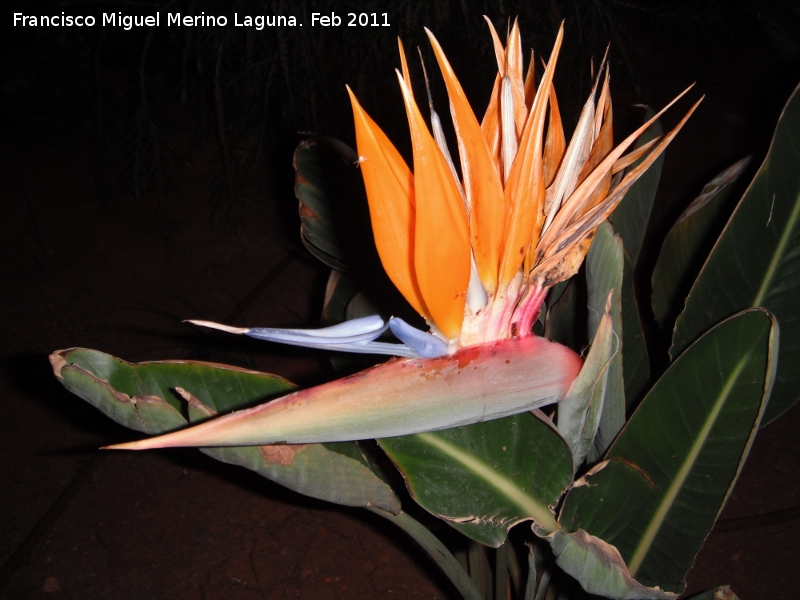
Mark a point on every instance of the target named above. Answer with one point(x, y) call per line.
point(437, 551)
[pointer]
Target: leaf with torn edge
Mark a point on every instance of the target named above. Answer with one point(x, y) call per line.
point(599, 567)
point(606, 498)
point(484, 478)
point(332, 473)
point(691, 435)
point(144, 412)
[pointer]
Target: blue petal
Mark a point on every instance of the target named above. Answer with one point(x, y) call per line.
point(423, 344)
point(356, 335)
point(366, 348)
point(364, 329)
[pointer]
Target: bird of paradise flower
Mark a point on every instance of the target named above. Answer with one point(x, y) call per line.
point(475, 256)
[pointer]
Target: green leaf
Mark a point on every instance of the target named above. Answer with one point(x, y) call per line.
point(484, 478)
point(342, 477)
point(530, 583)
point(635, 362)
point(756, 261)
point(343, 301)
point(603, 501)
point(229, 385)
point(325, 174)
point(563, 318)
point(691, 435)
point(604, 269)
point(339, 290)
point(333, 207)
point(600, 504)
point(579, 412)
point(689, 241)
point(480, 571)
point(142, 397)
point(599, 567)
point(630, 218)
point(145, 413)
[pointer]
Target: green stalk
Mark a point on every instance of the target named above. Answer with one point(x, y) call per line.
point(436, 550)
point(501, 572)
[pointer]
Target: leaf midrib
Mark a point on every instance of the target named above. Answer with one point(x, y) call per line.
point(780, 250)
point(677, 484)
point(529, 505)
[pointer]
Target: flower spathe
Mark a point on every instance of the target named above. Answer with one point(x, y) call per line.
point(475, 256)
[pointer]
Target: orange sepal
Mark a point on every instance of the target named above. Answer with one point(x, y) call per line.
point(555, 146)
point(530, 83)
point(441, 242)
point(482, 184)
point(499, 50)
point(390, 193)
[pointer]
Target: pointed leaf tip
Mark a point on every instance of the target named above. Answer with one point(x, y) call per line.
point(400, 397)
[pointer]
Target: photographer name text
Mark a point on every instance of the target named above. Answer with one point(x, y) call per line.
point(259, 22)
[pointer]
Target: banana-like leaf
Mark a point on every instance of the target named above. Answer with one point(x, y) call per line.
point(630, 218)
point(343, 301)
point(635, 361)
point(339, 291)
point(604, 270)
point(234, 387)
point(689, 241)
point(599, 505)
point(565, 313)
point(334, 472)
point(400, 397)
point(603, 501)
point(756, 262)
point(333, 207)
point(143, 397)
point(579, 412)
point(691, 435)
point(484, 478)
point(599, 567)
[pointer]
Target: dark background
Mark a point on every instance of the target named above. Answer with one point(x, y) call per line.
point(147, 179)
